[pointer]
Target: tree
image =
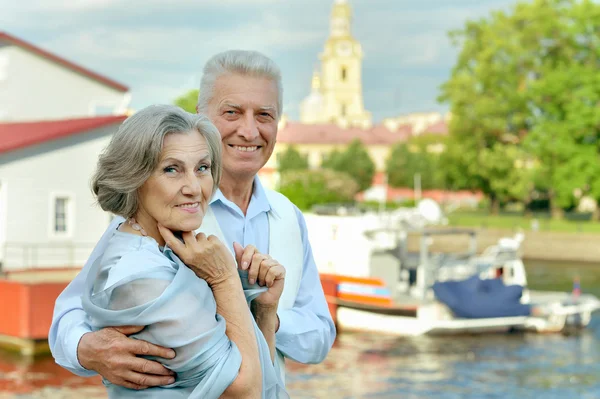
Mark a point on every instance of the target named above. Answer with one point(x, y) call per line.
point(307, 188)
point(291, 159)
point(515, 77)
point(355, 161)
point(566, 135)
point(418, 155)
point(188, 101)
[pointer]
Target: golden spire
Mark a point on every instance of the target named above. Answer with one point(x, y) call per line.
point(316, 81)
point(341, 16)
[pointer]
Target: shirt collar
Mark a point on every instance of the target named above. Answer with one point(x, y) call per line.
point(259, 202)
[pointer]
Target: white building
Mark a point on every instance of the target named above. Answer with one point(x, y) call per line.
point(55, 119)
point(48, 216)
point(420, 122)
point(38, 85)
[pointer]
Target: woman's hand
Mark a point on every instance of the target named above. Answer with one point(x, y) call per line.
point(206, 256)
point(264, 270)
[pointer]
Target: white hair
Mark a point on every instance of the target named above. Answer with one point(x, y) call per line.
point(241, 62)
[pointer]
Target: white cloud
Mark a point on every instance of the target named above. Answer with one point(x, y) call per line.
point(419, 37)
point(94, 5)
point(158, 47)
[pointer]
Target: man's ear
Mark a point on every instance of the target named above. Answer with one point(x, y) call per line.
point(197, 110)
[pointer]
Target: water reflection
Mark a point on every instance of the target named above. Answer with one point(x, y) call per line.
point(366, 365)
point(42, 378)
point(495, 366)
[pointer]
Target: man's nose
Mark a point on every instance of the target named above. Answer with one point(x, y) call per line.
point(249, 128)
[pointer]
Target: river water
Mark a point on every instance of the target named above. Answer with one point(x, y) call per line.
point(364, 365)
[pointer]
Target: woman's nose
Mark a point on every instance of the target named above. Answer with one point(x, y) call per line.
point(191, 186)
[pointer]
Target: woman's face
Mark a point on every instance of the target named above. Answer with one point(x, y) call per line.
point(178, 192)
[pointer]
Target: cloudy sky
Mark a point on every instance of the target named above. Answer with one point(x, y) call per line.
point(158, 47)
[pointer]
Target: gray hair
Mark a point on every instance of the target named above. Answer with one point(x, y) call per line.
point(134, 153)
point(241, 62)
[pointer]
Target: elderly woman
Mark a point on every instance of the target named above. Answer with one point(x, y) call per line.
point(159, 172)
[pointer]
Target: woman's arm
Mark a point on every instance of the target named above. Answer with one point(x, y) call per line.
point(264, 271)
point(211, 261)
point(266, 319)
point(231, 304)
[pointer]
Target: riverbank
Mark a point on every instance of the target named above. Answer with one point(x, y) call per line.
point(542, 245)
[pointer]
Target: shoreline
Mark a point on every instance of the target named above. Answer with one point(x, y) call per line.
point(539, 245)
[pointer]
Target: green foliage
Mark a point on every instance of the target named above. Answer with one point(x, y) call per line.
point(576, 224)
point(188, 101)
point(526, 87)
point(566, 135)
point(418, 155)
point(291, 159)
point(389, 205)
point(307, 188)
point(355, 161)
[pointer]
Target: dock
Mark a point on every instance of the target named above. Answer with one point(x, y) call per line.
point(27, 299)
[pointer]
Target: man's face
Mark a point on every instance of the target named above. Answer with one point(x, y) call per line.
point(244, 109)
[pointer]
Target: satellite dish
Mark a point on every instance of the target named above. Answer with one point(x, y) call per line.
point(430, 210)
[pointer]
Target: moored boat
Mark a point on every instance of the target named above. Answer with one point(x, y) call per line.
point(403, 293)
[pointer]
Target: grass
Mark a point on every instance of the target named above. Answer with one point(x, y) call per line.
point(514, 222)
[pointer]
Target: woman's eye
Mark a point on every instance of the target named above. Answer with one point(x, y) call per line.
point(204, 168)
point(169, 169)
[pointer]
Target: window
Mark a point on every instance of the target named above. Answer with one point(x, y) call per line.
point(60, 214)
point(344, 73)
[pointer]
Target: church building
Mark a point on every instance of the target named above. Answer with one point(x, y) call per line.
point(336, 95)
point(334, 114)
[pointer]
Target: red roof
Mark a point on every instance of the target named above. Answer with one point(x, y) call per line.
point(440, 128)
point(6, 38)
point(14, 136)
point(298, 133)
point(440, 196)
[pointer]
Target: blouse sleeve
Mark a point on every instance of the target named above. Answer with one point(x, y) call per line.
point(179, 312)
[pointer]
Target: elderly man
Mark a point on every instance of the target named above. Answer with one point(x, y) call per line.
point(241, 93)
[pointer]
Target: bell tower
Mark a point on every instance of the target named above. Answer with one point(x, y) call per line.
point(337, 95)
point(341, 69)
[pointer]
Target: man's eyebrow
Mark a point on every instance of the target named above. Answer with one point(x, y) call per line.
point(268, 108)
point(232, 105)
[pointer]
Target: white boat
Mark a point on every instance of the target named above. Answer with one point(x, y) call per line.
point(384, 288)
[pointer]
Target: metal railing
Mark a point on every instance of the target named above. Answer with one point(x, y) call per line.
point(26, 256)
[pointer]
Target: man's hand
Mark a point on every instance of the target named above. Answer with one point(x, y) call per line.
point(112, 354)
point(263, 270)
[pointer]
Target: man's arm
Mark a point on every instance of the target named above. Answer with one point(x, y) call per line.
point(68, 322)
point(306, 331)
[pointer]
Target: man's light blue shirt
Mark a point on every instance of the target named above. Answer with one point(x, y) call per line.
point(306, 331)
